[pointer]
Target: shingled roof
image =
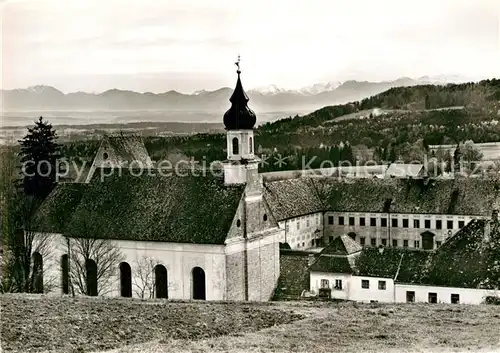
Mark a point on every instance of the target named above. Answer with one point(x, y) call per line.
point(292, 198)
point(56, 211)
point(385, 262)
point(400, 170)
point(184, 209)
point(470, 258)
point(334, 264)
point(342, 245)
point(126, 149)
point(456, 196)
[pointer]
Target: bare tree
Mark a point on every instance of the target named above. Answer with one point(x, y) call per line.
point(27, 255)
point(106, 257)
point(144, 278)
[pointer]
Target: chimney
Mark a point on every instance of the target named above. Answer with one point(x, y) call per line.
point(310, 259)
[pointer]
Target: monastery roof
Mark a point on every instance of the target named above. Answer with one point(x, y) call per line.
point(470, 258)
point(400, 170)
point(385, 262)
point(292, 198)
point(454, 196)
point(342, 245)
point(184, 209)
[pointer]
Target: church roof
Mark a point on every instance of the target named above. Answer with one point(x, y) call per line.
point(239, 116)
point(292, 198)
point(468, 196)
point(183, 209)
point(56, 211)
point(342, 245)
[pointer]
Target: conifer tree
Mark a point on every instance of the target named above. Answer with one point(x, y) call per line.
point(39, 154)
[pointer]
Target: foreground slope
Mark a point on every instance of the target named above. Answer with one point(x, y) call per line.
point(41, 324)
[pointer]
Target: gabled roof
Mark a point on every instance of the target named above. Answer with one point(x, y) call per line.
point(334, 264)
point(467, 196)
point(184, 209)
point(334, 257)
point(342, 245)
point(127, 149)
point(292, 198)
point(399, 170)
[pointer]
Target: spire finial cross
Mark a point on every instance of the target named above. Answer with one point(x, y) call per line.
point(237, 63)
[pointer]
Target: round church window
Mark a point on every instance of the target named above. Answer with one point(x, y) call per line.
point(105, 155)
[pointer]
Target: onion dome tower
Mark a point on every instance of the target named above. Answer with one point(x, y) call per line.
point(239, 122)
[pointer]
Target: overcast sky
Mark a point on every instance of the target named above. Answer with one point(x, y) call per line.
point(159, 45)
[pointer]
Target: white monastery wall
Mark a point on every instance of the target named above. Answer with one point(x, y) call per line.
point(300, 232)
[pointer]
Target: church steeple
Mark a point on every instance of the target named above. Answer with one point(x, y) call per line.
point(239, 116)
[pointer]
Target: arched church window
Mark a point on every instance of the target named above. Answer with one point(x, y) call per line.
point(125, 280)
point(91, 280)
point(37, 273)
point(265, 217)
point(161, 281)
point(198, 283)
point(236, 147)
point(250, 145)
point(65, 273)
point(238, 223)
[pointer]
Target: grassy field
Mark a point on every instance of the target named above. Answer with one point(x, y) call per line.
point(43, 324)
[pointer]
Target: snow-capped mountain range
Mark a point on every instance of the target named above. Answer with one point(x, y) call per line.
point(307, 90)
point(269, 98)
point(318, 88)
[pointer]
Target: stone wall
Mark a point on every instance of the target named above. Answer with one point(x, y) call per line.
point(294, 273)
point(263, 267)
point(235, 275)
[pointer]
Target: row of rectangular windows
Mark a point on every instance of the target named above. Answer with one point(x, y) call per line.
point(308, 222)
point(394, 222)
point(365, 284)
point(432, 297)
point(382, 285)
point(395, 242)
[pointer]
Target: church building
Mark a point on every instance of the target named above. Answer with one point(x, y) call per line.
point(176, 234)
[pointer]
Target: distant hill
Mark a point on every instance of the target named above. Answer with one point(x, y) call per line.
point(46, 98)
point(483, 96)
